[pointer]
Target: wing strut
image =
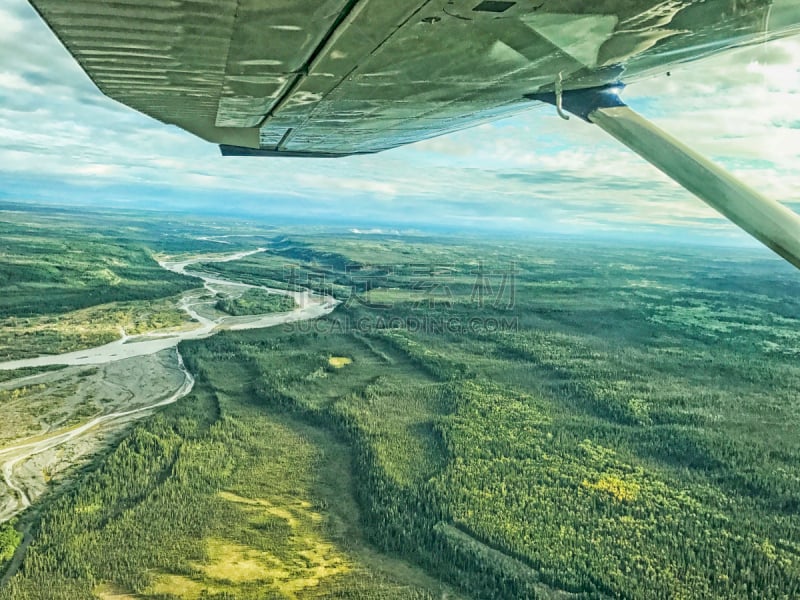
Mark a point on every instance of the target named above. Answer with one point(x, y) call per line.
point(768, 221)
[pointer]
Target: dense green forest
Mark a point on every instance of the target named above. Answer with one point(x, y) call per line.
point(48, 268)
point(255, 302)
point(519, 420)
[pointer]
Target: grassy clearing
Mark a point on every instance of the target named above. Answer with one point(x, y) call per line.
point(337, 362)
point(106, 591)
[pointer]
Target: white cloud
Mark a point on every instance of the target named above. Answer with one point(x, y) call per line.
point(12, 25)
point(14, 83)
point(95, 170)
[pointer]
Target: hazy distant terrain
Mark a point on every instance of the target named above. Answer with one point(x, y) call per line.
point(491, 418)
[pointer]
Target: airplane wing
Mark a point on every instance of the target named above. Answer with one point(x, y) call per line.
point(332, 78)
point(338, 77)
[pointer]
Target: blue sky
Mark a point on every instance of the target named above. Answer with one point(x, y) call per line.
point(63, 141)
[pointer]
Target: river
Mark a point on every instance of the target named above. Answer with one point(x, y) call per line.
point(309, 306)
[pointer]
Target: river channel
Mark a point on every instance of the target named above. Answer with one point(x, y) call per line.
point(18, 493)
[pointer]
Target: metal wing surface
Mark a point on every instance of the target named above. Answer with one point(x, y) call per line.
point(338, 77)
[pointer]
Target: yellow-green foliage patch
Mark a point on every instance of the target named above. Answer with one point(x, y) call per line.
point(231, 562)
point(620, 489)
point(107, 591)
point(180, 586)
point(306, 559)
point(337, 362)
point(87, 509)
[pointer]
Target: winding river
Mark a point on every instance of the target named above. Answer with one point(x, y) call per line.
point(309, 306)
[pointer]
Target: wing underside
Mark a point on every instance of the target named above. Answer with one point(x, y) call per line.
point(337, 77)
